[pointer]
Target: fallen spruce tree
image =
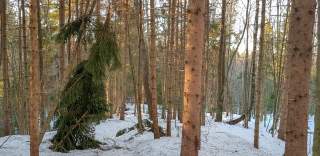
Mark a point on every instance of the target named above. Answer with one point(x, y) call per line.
point(83, 98)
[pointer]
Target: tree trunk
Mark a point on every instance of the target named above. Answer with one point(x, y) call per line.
point(41, 65)
point(98, 8)
point(62, 45)
point(126, 45)
point(300, 45)
point(34, 81)
point(205, 69)
point(69, 43)
point(153, 69)
point(25, 62)
point(284, 89)
point(260, 77)
point(253, 66)
point(221, 64)
point(246, 89)
point(4, 59)
point(192, 81)
point(316, 135)
point(170, 64)
point(21, 109)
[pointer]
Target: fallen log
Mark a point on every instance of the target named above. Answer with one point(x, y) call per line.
point(236, 121)
point(146, 123)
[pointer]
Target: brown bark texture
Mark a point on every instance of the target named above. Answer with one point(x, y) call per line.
point(301, 22)
point(192, 79)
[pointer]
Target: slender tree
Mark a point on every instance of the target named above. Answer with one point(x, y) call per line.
point(21, 109)
point(301, 22)
point(221, 63)
point(192, 80)
point(4, 59)
point(126, 48)
point(253, 65)
point(260, 76)
point(153, 68)
point(246, 89)
point(34, 81)
point(284, 89)
point(170, 65)
point(62, 45)
point(25, 65)
point(316, 135)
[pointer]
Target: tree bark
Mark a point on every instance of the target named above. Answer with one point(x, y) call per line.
point(170, 68)
point(4, 57)
point(25, 62)
point(284, 89)
point(34, 81)
point(246, 76)
point(153, 69)
point(301, 23)
point(260, 77)
point(253, 66)
point(316, 135)
point(21, 109)
point(62, 45)
point(192, 81)
point(127, 48)
point(221, 64)
point(41, 69)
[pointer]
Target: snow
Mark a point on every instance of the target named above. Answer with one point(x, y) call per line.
point(217, 139)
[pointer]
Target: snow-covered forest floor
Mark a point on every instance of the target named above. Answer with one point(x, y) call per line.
point(217, 139)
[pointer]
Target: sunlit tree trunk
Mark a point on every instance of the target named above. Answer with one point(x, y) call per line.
point(301, 23)
point(192, 81)
point(260, 77)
